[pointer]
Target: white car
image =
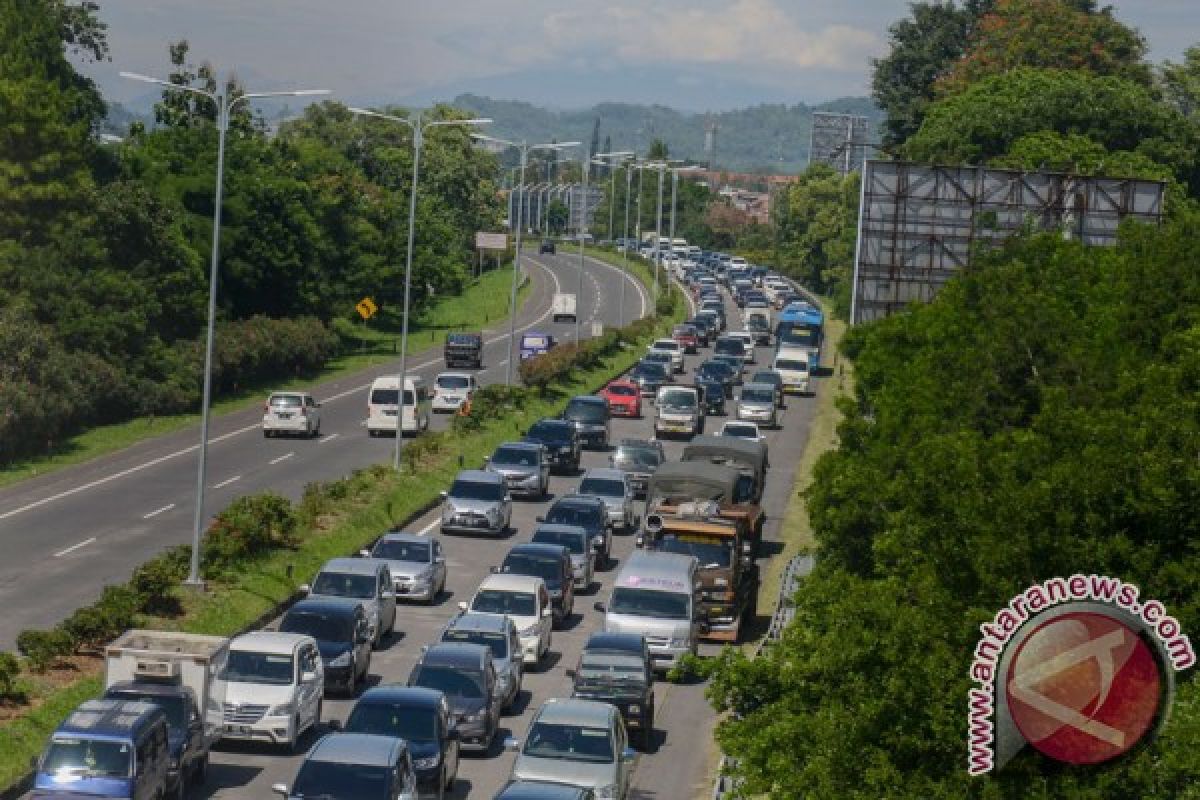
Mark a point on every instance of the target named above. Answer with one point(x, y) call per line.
point(291, 413)
point(672, 348)
point(451, 390)
point(525, 600)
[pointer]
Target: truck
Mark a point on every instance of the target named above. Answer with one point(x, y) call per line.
point(679, 482)
point(464, 350)
point(534, 343)
point(727, 574)
point(563, 307)
point(181, 673)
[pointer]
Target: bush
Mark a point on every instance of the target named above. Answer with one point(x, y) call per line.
point(154, 582)
point(10, 669)
point(247, 528)
point(44, 648)
point(94, 626)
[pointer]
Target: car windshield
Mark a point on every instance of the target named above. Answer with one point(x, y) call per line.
point(382, 719)
point(710, 551)
point(498, 601)
point(586, 412)
point(402, 551)
point(611, 667)
point(602, 487)
point(792, 364)
point(453, 682)
point(667, 345)
point(453, 381)
point(636, 456)
point(247, 666)
point(773, 378)
point(329, 779)
point(318, 626)
point(650, 603)
point(730, 347)
point(496, 642)
point(345, 584)
point(680, 330)
point(537, 566)
point(569, 743)
point(286, 401)
point(550, 432)
point(758, 395)
point(477, 490)
point(677, 398)
point(574, 542)
point(387, 397)
point(564, 514)
point(177, 707)
point(740, 431)
point(717, 368)
point(652, 369)
point(515, 457)
point(87, 757)
point(658, 357)
point(622, 391)
point(463, 338)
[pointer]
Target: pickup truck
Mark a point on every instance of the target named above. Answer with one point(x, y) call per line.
point(563, 307)
point(463, 350)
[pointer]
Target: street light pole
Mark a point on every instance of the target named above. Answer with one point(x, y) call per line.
point(625, 235)
point(658, 230)
point(585, 165)
point(224, 107)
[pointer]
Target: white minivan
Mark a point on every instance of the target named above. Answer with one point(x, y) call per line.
point(792, 365)
point(382, 405)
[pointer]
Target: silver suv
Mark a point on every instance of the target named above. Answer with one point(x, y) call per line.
point(524, 466)
point(478, 502)
point(756, 403)
point(291, 413)
point(612, 486)
point(577, 742)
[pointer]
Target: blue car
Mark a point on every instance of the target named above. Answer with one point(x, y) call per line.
point(534, 344)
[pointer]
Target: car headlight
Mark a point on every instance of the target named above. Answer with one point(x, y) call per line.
point(426, 763)
point(608, 792)
point(282, 710)
point(342, 661)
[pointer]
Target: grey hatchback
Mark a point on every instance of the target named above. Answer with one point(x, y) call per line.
point(478, 502)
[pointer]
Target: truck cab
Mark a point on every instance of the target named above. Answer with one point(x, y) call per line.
point(464, 350)
point(696, 480)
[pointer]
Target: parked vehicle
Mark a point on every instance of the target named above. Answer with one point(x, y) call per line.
point(712, 397)
point(671, 348)
point(354, 766)
point(589, 513)
point(108, 748)
point(417, 564)
point(499, 634)
point(179, 672)
point(758, 402)
point(274, 684)
point(562, 307)
point(478, 502)
point(524, 466)
point(578, 544)
point(561, 440)
point(463, 350)
point(624, 398)
point(654, 596)
point(613, 489)
point(291, 413)
point(551, 563)
point(452, 392)
point(421, 717)
point(524, 599)
point(383, 408)
point(578, 742)
point(677, 411)
point(649, 377)
point(362, 579)
point(464, 673)
point(589, 414)
point(534, 343)
point(343, 638)
point(616, 668)
point(792, 364)
point(638, 459)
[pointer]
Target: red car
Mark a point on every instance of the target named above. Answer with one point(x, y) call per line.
point(624, 398)
point(687, 338)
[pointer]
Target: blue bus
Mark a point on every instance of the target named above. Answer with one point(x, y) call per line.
point(801, 325)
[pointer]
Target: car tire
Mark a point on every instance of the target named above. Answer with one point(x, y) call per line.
point(199, 773)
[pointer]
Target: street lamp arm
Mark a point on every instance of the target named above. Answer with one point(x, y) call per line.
point(379, 115)
point(134, 76)
point(477, 121)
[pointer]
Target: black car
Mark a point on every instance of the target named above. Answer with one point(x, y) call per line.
point(343, 636)
point(561, 441)
point(712, 396)
point(465, 674)
point(463, 350)
point(706, 325)
point(590, 415)
point(702, 331)
point(547, 246)
point(719, 371)
point(638, 458)
point(551, 563)
point(650, 377)
point(616, 668)
point(588, 513)
point(422, 718)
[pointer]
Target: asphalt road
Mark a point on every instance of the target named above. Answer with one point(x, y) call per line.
point(69, 534)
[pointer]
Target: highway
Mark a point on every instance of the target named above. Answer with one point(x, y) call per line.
point(70, 533)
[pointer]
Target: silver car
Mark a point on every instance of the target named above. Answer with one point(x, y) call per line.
point(577, 542)
point(499, 634)
point(757, 403)
point(364, 579)
point(577, 742)
point(612, 486)
point(525, 468)
point(418, 564)
point(478, 502)
point(291, 413)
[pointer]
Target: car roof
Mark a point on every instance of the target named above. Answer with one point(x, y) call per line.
point(278, 392)
point(353, 566)
point(604, 472)
point(326, 606)
point(615, 642)
point(507, 582)
point(555, 527)
point(587, 398)
point(411, 696)
point(474, 621)
point(109, 717)
point(558, 423)
point(455, 654)
point(362, 749)
point(758, 385)
point(620, 382)
point(578, 500)
point(532, 447)
point(453, 374)
point(573, 711)
point(542, 549)
point(272, 642)
point(404, 536)
point(478, 476)
point(650, 444)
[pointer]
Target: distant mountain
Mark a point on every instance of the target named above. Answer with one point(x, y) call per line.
point(763, 138)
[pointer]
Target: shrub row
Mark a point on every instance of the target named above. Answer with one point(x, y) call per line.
point(539, 372)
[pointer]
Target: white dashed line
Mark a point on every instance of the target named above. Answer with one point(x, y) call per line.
point(226, 482)
point(74, 547)
point(158, 511)
point(329, 438)
point(283, 457)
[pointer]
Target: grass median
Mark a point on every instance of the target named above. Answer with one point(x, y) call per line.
point(365, 346)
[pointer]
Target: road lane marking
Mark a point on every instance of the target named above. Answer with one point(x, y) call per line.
point(329, 438)
point(158, 511)
point(283, 457)
point(226, 482)
point(74, 547)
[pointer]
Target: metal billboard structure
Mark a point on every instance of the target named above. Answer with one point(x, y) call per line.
point(919, 225)
point(839, 140)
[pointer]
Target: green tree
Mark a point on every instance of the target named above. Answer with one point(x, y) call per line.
point(1181, 84)
point(556, 214)
point(658, 151)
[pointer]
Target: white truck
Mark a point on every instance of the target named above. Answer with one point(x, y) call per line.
point(563, 307)
point(181, 672)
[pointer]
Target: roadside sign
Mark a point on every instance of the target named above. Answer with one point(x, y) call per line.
point(491, 241)
point(366, 308)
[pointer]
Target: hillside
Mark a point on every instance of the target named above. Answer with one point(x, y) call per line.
point(763, 138)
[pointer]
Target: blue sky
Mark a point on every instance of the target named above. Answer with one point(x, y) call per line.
point(688, 54)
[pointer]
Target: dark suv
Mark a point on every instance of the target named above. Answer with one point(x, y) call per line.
point(590, 416)
point(343, 636)
point(616, 668)
point(463, 350)
point(551, 563)
point(561, 441)
point(588, 513)
point(465, 674)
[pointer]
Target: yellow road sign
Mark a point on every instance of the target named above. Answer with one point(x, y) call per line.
point(366, 308)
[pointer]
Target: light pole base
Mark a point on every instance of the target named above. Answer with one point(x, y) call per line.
point(199, 586)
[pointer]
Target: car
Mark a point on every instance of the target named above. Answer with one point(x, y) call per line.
point(747, 340)
point(363, 579)
point(500, 634)
point(536, 343)
point(543, 790)
point(742, 430)
point(649, 377)
point(616, 668)
point(464, 348)
point(343, 638)
point(638, 459)
point(452, 392)
point(465, 674)
point(687, 337)
point(551, 563)
point(757, 403)
point(664, 360)
point(712, 396)
point(421, 717)
point(590, 416)
point(729, 345)
point(702, 331)
point(547, 246)
point(710, 323)
point(354, 766)
point(721, 371)
point(589, 513)
point(417, 564)
point(579, 742)
point(525, 467)
point(291, 413)
point(477, 502)
point(612, 487)
point(624, 398)
point(561, 440)
point(274, 688)
point(578, 544)
point(738, 363)
point(524, 599)
point(671, 348)
point(775, 379)
point(678, 411)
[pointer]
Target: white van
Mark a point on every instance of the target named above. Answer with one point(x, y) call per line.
point(381, 405)
point(792, 365)
point(655, 595)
